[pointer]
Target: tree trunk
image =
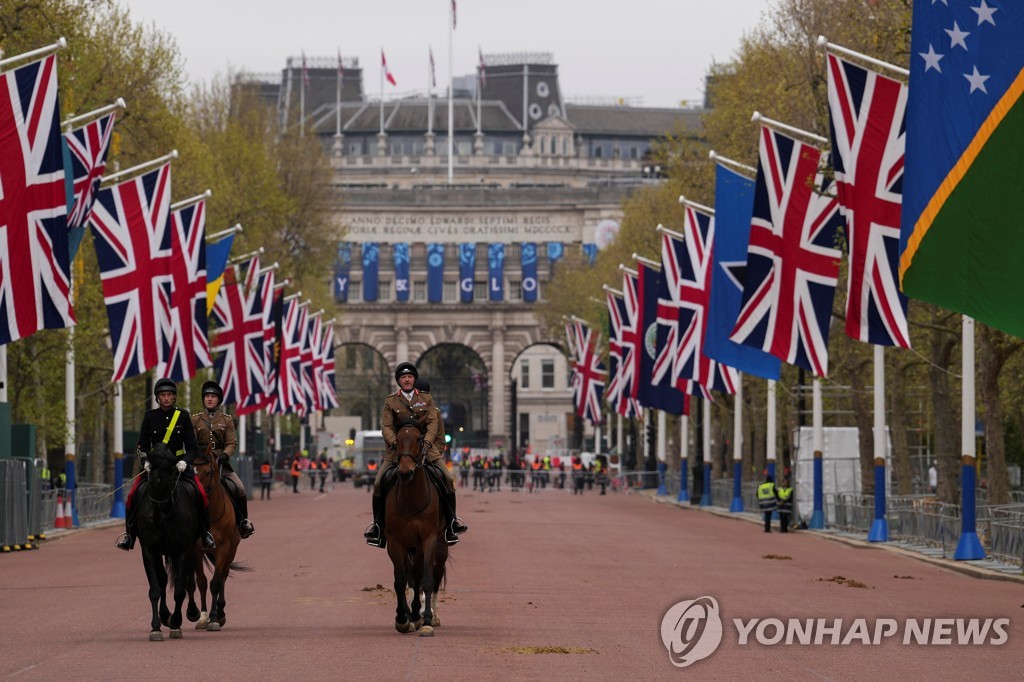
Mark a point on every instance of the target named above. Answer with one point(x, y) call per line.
point(898, 425)
point(994, 354)
point(947, 422)
point(862, 416)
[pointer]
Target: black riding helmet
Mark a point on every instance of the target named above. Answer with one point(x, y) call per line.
point(213, 388)
point(165, 384)
point(422, 385)
point(405, 368)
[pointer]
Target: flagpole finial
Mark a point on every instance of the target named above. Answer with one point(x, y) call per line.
point(756, 117)
point(174, 153)
point(208, 193)
point(712, 155)
point(120, 103)
point(62, 43)
point(821, 42)
point(682, 199)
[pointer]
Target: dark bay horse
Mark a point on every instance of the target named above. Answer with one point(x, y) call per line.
point(225, 532)
point(414, 528)
point(168, 527)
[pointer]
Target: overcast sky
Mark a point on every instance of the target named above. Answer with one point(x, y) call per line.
point(657, 50)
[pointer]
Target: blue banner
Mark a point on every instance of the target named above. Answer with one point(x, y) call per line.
point(590, 253)
point(662, 397)
point(402, 271)
point(467, 269)
point(555, 252)
point(734, 206)
point(342, 268)
point(496, 272)
point(529, 260)
point(371, 267)
point(435, 272)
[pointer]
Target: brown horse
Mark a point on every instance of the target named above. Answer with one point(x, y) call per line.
point(225, 533)
point(414, 528)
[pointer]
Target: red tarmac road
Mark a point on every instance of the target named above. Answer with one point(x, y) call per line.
point(544, 586)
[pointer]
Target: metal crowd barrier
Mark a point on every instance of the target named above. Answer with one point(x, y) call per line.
point(244, 467)
point(93, 501)
point(14, 521)
point(1006, 533)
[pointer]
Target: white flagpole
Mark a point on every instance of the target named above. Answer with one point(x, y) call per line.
point(337, 101)
point(479, 92)
point(737, 447)
point(3, 373)
point(771, 435)
point(382, 91)
point(969, 546)
point(818, 436)
point(302, 99)
point(880, 526)
point(430, 93)
point(242, 446)
point(117, 511)
point(684, 457)
point(451, 105)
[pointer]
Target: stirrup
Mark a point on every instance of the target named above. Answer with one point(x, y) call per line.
point(372, 531)
point(458, 526)
point(245, 528)
point(450, 536)
point(125, 542)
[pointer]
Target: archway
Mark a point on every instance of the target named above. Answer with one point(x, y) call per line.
point(458, 383)
point(363, 377)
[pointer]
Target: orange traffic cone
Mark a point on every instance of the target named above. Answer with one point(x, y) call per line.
point(67, 512)
point(59, 521)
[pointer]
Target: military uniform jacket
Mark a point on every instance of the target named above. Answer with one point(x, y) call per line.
point(154, 426)
point(216, 432)
point(397, 409)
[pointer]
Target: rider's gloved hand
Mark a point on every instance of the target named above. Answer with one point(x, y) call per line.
point(145, 465)
point(180, 466)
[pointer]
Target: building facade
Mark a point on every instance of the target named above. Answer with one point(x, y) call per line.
point(446, 256)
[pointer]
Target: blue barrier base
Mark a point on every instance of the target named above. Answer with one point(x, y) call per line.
point(969, 548)
point(879, 531)
point(817, 520)
point(737, 505)
point(662, 490)
point(683, 496)
point(117, 511)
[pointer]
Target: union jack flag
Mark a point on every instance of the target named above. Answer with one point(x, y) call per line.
point(792, 262)
point(693, 291)
point(264, 289)
point(239, 339)
point(134, 249)
point(589, 376)
point(867, 121)
point(88, 146)
point(289, 395)
point(188, 347)
point(631, 338)
point(327, 387)
point(310, 345)
point(615, 395)
point(35, 280)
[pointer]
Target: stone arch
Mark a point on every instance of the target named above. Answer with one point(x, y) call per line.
point(459, 384)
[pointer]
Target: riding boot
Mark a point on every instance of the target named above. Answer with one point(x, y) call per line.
point(127, 539)
point(453, 524)
point(245, 527)
point(204, 525)
point(374, 533)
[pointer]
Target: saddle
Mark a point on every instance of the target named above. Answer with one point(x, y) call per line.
point(391, 475)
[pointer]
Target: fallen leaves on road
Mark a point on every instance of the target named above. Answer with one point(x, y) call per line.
point(778, 557)
point(840, 580)
point(547, 650)
point(904, 577)
point(378, 588)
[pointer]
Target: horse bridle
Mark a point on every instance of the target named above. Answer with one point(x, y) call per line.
point(417, 458)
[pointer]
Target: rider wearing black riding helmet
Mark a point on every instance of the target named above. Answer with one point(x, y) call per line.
point(215, 431)
point(410, 403)
point(170, 425)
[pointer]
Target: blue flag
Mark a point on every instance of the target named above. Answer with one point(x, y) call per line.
point(734, 205)
point(529, 261)
point(342, 269)
point(435, 272)
point(496, 272)
point(660, 397)
point(371, 268)
point(590, 253)
point(401, 256)
point(555, 252)
point(467, 271)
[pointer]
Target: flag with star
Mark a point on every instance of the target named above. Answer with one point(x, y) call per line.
point(960, 243)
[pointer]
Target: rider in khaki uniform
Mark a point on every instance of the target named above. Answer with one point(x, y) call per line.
point(408, 403)
point(216, 430)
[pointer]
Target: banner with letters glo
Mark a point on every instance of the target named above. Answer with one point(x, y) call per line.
point(467, 268)
point(401, 257)
point(529, 262)
point(496, 272)
point(435, 272)
point(371, 268)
